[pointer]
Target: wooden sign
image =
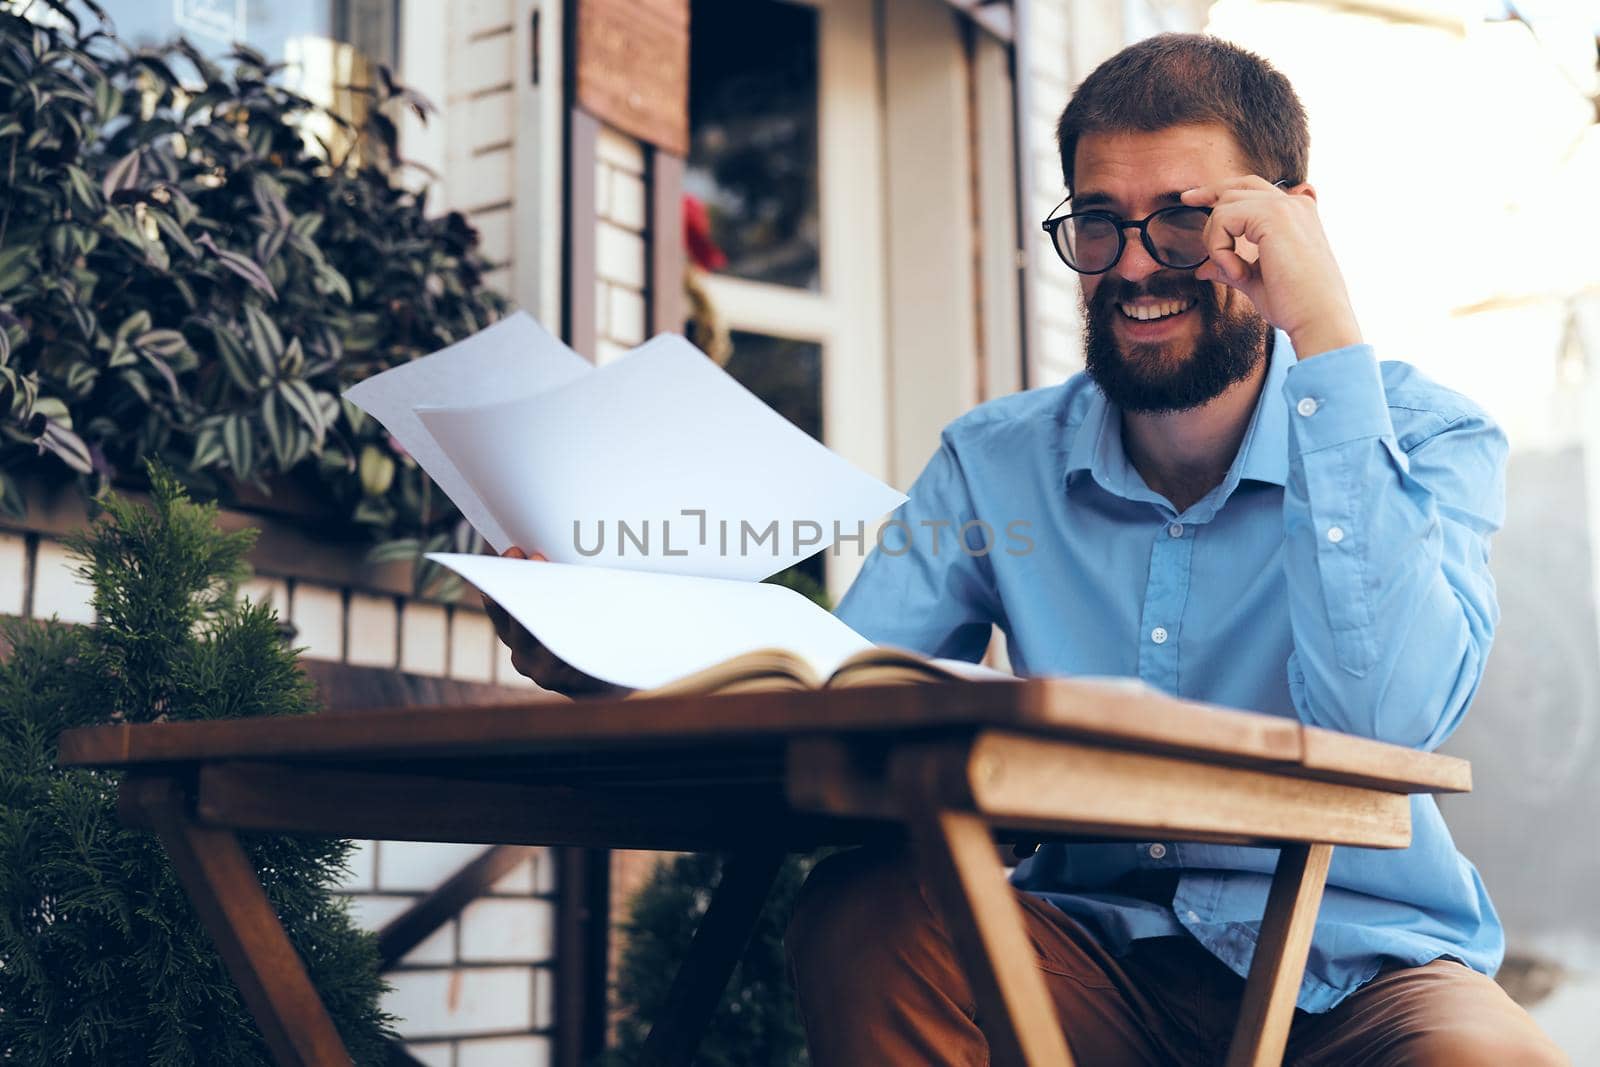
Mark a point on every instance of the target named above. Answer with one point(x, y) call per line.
point(633, 68)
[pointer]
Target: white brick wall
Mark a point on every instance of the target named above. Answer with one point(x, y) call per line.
point(434, 1053)
point(266, 590)
point(619, 256)
point(14, 574)
point(317, 612)
point(626, 203)
point(443, 1003)
point(479, 989)
point(618, 150)
point(621, 204)
point(415, 866)
point(506, 1052)
point(472, 646)
point(507, 930)
point(374, 631)
point(57, 589)
point(363, 873)
point(424, 638)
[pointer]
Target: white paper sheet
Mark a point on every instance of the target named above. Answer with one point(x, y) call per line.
point(515, 357)
point(645, 630)
point(639, 442)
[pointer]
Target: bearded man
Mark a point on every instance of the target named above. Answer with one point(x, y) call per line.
point(1236, 503)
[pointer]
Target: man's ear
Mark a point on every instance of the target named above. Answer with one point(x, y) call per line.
point(1304, 189)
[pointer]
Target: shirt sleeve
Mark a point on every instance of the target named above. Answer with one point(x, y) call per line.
point(923, 588)
point(1391, 602)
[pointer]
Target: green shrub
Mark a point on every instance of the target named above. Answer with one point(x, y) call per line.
point(756, 1024)
point(102, 960)
point(186, 275)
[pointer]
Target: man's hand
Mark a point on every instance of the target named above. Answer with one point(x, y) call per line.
point(532, 659)
point(1293, 280)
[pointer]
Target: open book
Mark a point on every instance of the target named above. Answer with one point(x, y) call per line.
point(646, 631)
point(776, 669)
point(661, 490)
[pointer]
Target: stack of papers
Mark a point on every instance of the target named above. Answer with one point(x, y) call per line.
point(660, 489)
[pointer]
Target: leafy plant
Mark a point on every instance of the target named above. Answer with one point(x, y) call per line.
point(756, 1021)
point(188, 274)
point(102, 959)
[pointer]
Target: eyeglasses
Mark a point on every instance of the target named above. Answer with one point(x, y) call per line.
point(1091, 242)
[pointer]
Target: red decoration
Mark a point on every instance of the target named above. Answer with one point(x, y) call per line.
point(703, 251)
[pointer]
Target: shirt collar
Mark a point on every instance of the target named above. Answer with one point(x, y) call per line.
point(1263, 454)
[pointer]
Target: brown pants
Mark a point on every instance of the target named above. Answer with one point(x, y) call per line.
point(879, 984)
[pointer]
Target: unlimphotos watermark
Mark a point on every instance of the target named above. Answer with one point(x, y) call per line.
point(642, 538)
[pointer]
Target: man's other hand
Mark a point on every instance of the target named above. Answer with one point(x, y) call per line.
point(536, 662)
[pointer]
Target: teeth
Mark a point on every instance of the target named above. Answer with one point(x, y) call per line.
point(1146, 312)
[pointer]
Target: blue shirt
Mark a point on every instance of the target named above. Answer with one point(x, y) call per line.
point(1338, 575)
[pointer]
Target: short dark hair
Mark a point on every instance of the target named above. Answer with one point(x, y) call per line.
point(1183, 79)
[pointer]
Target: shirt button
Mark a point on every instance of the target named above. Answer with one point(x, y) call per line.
point(1306, 407)
point(1159, 635)
point(1158, 851)
point(1191, 916)
point(1175, 530)
point(1335, 534)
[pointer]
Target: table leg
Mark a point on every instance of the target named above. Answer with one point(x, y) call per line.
point(958, 860)
point(1262, 1032)
point(223, 887)
point(724, 932)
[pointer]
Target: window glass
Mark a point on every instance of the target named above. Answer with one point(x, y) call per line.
point(787, 374)
point(753, 135)
point(269, 26)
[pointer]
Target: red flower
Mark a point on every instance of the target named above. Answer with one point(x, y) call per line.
point(703, 251)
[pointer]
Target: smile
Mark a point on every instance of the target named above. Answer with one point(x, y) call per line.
point(1158, 310)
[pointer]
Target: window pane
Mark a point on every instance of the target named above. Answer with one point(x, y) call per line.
point(753, 135)
point(268, 26)
point(787, 374)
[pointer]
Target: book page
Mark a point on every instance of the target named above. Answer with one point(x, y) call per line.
point(659, 462)
point(884, 665)
point(513, 357)
point(644, 630)
point(765, 670)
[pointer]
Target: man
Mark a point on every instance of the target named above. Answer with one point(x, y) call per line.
point(1236, 503)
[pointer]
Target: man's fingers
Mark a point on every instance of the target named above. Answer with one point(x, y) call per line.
point(1222, 230)
point(498, 616)
point(1206, 195)
point(531, 658)
point(1226, 227)
point(1234, 270)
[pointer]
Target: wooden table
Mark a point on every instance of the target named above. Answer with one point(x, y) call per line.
point(758, 775)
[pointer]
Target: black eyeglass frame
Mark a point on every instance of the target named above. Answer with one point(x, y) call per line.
point(1051, 225)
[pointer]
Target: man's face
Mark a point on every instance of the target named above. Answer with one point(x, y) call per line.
point(1170, 362)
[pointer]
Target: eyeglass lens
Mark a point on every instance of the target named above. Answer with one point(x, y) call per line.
point(1176, 236)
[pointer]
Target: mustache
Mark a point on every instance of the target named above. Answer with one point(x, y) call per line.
point(1157, 286)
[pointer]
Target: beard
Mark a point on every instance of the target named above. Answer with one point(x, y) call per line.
point(1157, 378)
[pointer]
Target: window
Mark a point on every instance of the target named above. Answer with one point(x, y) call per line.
point(785, 117)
